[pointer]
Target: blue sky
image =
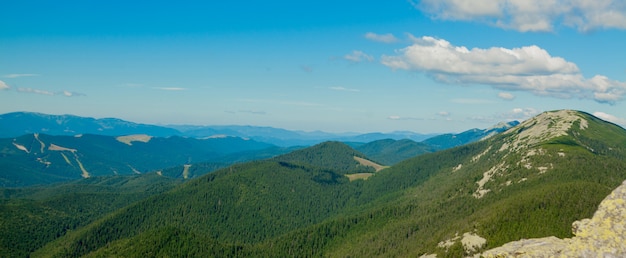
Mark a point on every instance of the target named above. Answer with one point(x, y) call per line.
point(360, 66)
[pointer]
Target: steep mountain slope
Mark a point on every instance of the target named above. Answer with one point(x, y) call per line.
point(446, 141)
point(531, 181)
point(390, 152)
point(534, 180)
point(603, 235)
point(39, 158)
point(19, 123)
point(38, 215)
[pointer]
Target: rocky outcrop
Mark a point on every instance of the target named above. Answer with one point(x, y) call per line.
point(604, 235)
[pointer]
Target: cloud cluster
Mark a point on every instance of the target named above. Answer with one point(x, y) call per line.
point(529, 68)
point(519, 114)
point(339, 88)
point(253, 112)
point(50, 93)
point(3, 86)
point(35, 91)
point(610, 118)
point(399, 118)
point(170, 88)
point(531, 15)
point(384, 38)
point(18, 75)
point(506, 95)
point(358, 56)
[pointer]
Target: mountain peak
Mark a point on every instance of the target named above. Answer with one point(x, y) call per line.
point(328, 155)
point(546, 126)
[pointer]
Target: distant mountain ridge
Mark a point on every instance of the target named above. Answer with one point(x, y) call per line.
point(67, 143)
point(446, 141)
point(40, 158)
point(286, 138)
point(19, 123)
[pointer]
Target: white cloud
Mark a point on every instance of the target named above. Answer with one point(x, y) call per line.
point(254, 112)
point(384, 38)
point(529, 68)
point(18, 75)
point(4, 86)
point(344, 89)
point(611, 118)
point(35, 91)
point(471, 101)
point(69, 93)
point(443, 113)
point(506, 95)
point(519, 114)
point(531, 15)
point(281, 102)
point(170, 88)
point(358, 56)
point(398, 118)
point(50, 93)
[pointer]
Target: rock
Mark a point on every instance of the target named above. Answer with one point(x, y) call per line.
point(604, 235)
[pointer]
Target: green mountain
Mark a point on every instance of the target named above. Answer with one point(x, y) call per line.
point(335, 156)
point(40, 158)
point(220, 213)
point(34, 216)
point(530, 181)
point(390, 152)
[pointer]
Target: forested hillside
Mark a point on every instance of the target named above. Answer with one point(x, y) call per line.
point(34, 216)
point(390, 152)
point(335, 156)
point(531, 181)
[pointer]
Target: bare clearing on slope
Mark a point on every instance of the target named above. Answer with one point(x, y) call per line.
point(367, 163)
point(129, 139)
point(370, 163)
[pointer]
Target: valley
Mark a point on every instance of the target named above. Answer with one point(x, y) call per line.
point(152, 196)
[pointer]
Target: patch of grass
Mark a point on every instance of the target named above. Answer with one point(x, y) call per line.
point(358, 176)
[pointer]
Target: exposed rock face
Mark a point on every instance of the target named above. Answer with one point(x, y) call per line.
point(604, 235)
point(542, 127)
point(526, 139)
